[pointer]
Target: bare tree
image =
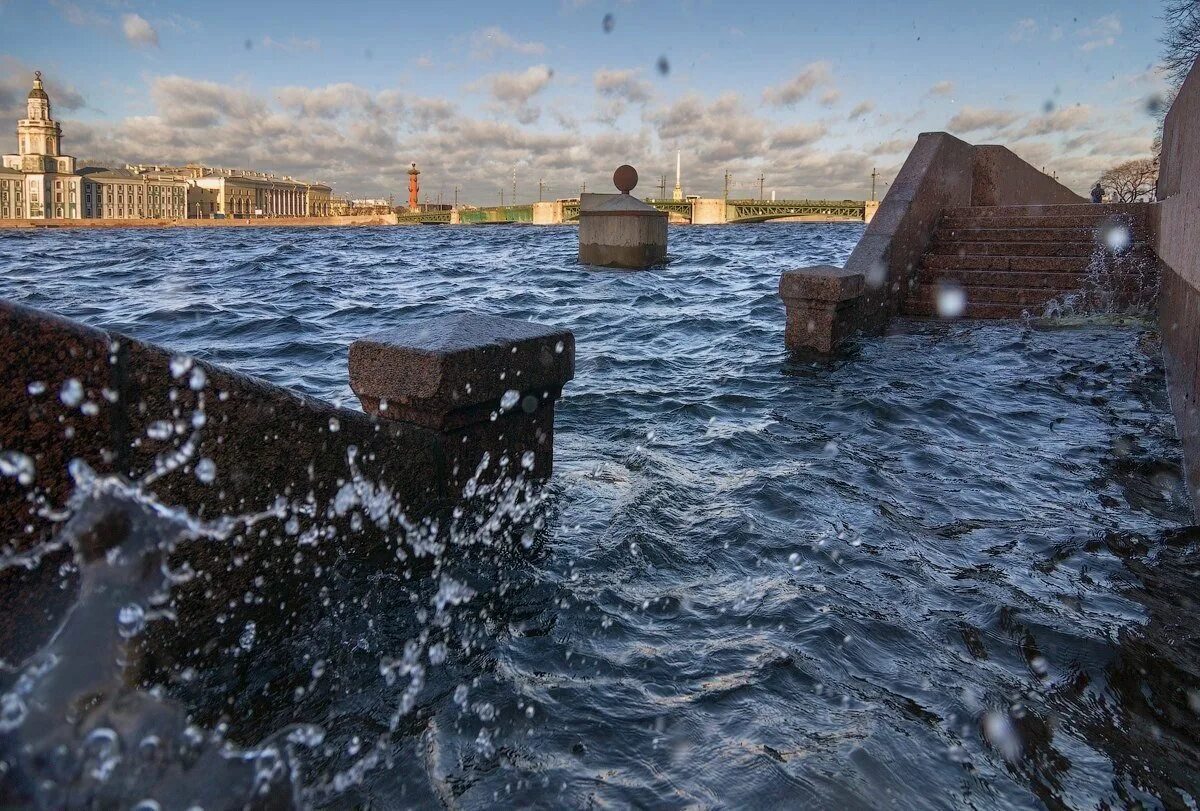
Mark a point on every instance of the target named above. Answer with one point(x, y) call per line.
point(1180, 39)
point(1131, 181)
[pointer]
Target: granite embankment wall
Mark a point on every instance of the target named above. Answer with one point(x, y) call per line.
point(254, 222)
point(125, 407)
point(825, 304)
point(1176, 226)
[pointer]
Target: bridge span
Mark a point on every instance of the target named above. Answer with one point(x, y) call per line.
point(695, 211)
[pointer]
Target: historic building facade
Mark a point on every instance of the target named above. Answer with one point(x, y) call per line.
point(122, 194)
point(39, 182)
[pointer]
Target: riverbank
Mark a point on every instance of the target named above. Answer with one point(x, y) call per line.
point(259, 222)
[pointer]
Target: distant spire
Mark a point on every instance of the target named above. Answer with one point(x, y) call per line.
point(678, 195)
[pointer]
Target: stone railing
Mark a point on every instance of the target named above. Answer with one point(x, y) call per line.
point(826, 305)
point(213, 442)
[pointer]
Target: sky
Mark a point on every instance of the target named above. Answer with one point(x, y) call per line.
point(812, 96)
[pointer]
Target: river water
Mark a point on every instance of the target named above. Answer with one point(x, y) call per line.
point(944, 570)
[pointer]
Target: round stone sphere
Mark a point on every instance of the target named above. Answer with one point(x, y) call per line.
point(625, 178)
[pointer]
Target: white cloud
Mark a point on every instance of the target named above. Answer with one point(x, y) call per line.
point(486, 42)
point(1023, 30)
point(139, 31)
point(800, 86)
point(1102, 33)
point(625, 85)
point(973, 119)
point(1067, 119)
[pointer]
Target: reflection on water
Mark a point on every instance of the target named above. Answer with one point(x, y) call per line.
point(944, 570)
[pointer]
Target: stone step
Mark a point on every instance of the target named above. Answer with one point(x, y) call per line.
point(955, 248)
point(1134, 263)
point(1137, 223)
point(1066, 209)
point(971, 279)
point(1043, 264)
point(943, 234)
point(926, 307)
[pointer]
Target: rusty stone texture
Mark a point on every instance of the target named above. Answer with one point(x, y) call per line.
point(455, 370)
point(486, 384)
point(266, 443)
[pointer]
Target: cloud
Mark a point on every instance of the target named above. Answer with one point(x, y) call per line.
point(799, 135)
point(800, 86)
point(486, 42)
point(972, 119)
point(830, 97)
point(1102, 33)
point(860, 109)
point(76, 14)
point(291, 44)
point(1068, 119)
point(138, 31)
point(622, 84)
point(15, 80)
point(717, 131)
point(894, 146)
point(514, 91)
point(1023, 30)
point(942, 88)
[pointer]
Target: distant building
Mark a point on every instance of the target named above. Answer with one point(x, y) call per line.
point(241, 193)
point(39, 182)
point(122, 194)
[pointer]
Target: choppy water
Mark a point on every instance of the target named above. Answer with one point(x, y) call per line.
point(942, 571)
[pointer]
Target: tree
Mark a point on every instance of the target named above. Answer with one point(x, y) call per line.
point(1131, 181)
point(1180, 39)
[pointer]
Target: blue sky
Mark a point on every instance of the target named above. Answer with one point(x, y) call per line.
point(813, 95)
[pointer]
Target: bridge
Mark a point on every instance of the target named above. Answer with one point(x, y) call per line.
point(697, 211)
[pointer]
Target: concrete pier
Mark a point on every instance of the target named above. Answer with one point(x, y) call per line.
point(618, 230)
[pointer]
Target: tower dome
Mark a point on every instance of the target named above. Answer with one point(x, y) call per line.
point(38, 91)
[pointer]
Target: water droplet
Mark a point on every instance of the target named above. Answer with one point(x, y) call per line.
point(1117, 238)
point(607, 23)
point(794, 561)
point(1039, 665)
point(131, 619)
point(36, 387)
point(246, 640)
point(179, 365)
point(529, 404)
point(160, 429)
point(334, 425)
point(951, 300)
point(12, 711)
point(509, 399)
point(198, 379)
point(71, 393)
point(999, 732)
point(559, 347)
point(89, 409)
point(206, 471)
point(17, 465)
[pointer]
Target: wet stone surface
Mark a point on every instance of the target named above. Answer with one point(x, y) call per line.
point(946, 569)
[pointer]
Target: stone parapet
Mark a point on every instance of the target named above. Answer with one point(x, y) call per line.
point(1175, 225)
point(824, 306)
point(485, 384)
point(941, 172)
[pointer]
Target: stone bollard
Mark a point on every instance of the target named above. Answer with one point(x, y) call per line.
point(485, 384)
point(620, 231)
point(823, 306)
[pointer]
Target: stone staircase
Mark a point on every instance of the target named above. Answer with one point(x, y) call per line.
point(1012, 260)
